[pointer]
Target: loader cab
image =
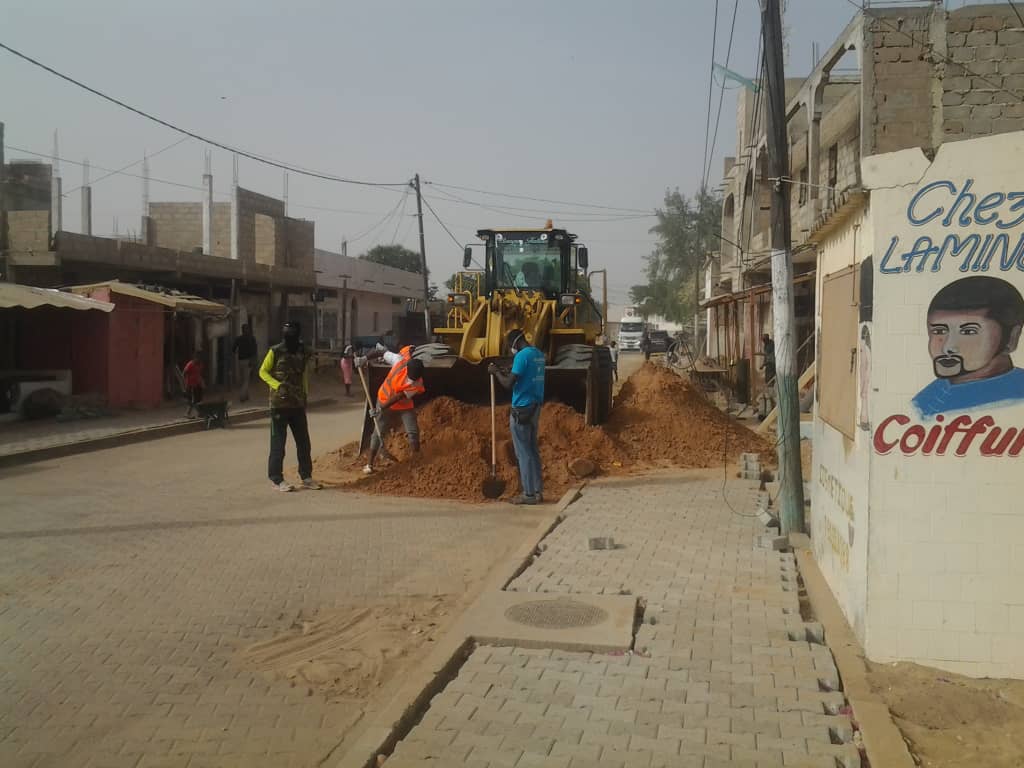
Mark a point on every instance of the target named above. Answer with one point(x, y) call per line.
point(542, 260)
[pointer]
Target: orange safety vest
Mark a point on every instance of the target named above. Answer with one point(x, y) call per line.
point(397, 382)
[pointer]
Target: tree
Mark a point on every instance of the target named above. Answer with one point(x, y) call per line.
point(687, 232)
point(396, 256)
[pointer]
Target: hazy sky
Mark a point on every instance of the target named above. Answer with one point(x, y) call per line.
point(584, 101)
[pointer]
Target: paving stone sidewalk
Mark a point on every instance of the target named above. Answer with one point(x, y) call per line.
point(725, 671)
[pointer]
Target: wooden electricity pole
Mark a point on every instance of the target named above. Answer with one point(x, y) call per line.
point(791, 485)
point(423, 261)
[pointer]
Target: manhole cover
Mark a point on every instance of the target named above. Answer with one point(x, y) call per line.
point(556, 614)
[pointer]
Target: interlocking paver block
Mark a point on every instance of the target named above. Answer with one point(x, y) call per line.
point(726, 673)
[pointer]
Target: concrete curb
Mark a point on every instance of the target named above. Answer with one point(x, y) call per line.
point(416, 690)
point(141, 435)
point(883, 741)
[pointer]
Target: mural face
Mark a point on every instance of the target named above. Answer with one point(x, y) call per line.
point(974, 326)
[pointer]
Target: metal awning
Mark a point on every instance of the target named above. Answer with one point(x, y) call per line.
point(29, 297)
point(176, 300)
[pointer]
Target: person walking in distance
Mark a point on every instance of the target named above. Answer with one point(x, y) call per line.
point(245, 350)
point(285, 369)
point(194, 382)
point(347, 360)
point(526, 380)
point(395, 396)
point(613, 350)
point(768, 364)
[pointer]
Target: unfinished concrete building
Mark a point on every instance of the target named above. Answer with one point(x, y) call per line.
point(892, 80)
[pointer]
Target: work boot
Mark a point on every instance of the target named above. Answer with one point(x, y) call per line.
point(310, 484)
point(523, 499)
point(284, 486)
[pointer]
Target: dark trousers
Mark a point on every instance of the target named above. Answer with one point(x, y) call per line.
point(281, 420)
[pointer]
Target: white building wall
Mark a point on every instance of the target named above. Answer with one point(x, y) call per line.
point(839, 477)
point(941, 534)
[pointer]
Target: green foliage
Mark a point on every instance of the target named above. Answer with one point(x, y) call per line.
point(396, 256)
point(687, 231)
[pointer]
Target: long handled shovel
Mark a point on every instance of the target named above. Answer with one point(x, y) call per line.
point(369, 407)
point(494, 486)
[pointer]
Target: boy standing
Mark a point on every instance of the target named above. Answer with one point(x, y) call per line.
point(194, 383)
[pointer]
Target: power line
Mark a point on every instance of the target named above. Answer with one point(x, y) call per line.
point(387, 217)
point(516, 211)
point(1016, 10)
point(721, 95)
point(946, 59)
point(126, 167)
point(182, 185)
point(711, 88)
point(212, 142)
point(535, 199)
point(443, 225)
point(401, 215)
point(111, 172)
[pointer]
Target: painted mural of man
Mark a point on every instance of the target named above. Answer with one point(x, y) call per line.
point(974, 325)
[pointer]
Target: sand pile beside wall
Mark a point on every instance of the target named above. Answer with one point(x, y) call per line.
point(660, 418)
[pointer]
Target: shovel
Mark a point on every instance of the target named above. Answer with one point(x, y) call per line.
point(376, 427)
point(494, 486)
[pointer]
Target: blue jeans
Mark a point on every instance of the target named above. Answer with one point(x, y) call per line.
point(524, 440)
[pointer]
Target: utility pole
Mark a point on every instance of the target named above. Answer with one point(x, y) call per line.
point(415, 184)
point(3, 210)
point(791, 485)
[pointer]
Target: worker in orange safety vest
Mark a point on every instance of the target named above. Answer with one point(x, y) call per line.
point(395, 396)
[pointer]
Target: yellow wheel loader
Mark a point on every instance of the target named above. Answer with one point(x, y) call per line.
point(534, 280)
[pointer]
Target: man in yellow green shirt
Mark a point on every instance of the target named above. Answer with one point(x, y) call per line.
point(285, 369)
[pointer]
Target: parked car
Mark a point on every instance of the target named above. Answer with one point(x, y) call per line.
point(659, 342)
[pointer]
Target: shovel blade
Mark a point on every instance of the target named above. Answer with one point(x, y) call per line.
point(494, 487)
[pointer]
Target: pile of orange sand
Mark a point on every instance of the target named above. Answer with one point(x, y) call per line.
point(658, 420)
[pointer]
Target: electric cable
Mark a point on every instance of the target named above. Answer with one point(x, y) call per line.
point(124, 168)
point(401, 215)
point(534, 199)
point(291, 168)
point(382, 222)
point(445, 228)
point(721, 94)
point(711, 89)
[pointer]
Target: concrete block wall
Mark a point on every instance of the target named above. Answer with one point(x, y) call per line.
point(29, 230)
point(896, 44)
point(176, 225)
point(267, 239)
point(249, 204)
point(28, 185)
point(299, 244)
point(989, 41)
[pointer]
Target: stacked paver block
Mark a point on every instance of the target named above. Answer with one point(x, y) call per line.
point(724, 671)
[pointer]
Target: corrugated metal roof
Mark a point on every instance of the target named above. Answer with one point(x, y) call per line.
point(182, 302)
point(29, 297)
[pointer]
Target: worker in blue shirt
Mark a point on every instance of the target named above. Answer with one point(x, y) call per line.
point(526, 380)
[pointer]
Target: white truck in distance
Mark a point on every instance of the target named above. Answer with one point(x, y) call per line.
point(631, 328)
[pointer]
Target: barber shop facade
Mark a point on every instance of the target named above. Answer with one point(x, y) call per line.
point(917, 516)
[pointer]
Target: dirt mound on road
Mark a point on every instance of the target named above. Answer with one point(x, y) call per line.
point(659, 420)
point(455, 455)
